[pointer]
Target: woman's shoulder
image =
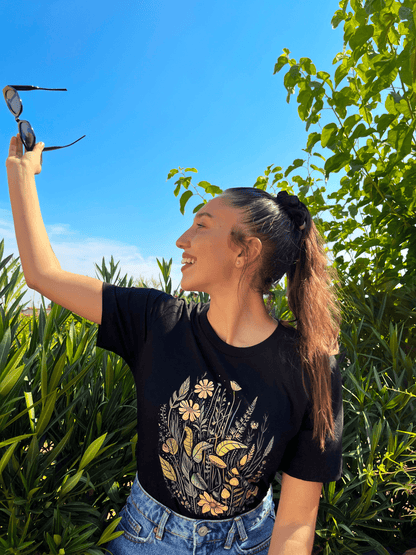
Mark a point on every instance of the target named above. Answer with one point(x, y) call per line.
point(289, 330)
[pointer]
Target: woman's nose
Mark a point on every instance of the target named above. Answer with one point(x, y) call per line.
point(183, 240)
point(180, 242)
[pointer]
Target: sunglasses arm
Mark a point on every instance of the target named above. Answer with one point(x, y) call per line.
point(30, 88)
point(56, 147)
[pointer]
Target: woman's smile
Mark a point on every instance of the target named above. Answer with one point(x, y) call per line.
point(187, 265)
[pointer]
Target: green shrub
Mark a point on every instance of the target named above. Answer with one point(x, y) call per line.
point(373, 505)
point(68, 417)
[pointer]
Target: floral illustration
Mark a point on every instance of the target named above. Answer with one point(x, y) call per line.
point(204, 388)
point(189, 410)
point(209, 504)
point(211, 454)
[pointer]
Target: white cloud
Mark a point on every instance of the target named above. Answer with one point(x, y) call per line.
point(78, 254)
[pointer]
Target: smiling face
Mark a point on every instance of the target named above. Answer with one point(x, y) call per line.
point(208, 241)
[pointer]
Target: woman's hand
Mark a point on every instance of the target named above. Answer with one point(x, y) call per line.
point(31, 160)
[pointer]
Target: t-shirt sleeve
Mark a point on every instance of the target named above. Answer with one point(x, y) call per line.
point(303, 457)
point(127, 313)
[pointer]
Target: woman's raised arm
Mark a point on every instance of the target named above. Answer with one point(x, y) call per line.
point(41, 268)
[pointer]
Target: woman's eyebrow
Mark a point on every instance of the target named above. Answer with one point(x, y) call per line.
point(201, 214)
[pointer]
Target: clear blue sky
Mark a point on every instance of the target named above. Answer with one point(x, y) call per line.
point(154, 85)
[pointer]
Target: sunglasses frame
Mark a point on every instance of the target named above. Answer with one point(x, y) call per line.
point(20, 122)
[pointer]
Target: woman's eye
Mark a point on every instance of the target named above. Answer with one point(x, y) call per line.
point(199, 225)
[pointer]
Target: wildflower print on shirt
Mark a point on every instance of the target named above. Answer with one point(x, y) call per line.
point(210, 458)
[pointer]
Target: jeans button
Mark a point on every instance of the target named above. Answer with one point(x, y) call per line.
point(203, 531)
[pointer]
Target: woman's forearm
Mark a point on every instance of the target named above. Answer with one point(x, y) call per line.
point(292, 540)
point(36, 254)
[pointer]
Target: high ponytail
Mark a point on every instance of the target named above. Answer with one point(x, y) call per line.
point(313, 301)
point(292, 245)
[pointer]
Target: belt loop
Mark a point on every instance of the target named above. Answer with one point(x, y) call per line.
point(230, 537)
point(241, 529)
point(160, 529)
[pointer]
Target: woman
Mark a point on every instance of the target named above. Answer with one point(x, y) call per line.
point(227, 396)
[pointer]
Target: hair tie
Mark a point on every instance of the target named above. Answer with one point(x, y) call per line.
point(295, 209)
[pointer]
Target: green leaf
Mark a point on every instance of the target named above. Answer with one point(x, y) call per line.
point(305, 98)
point(191, 170)
point(58, 448)
point(14, 439)
point(198, 207)
point(108, 534)
point(59, 367)
point(213, 190)
point(400, 138)
point(31, 413)
point(350, 122)
point(384, 121)
point(324, 75)
point(374, 6)
point(92, 451)
point(313, 138)
point(70, 483)
point(281, 61)
point(328, 132)
point(184, 199)
point(341, 72)
point(5, 349)
point(361, 36)
point(405, 13)
point(46, 413)
point(11, 378)
point(390, 105)
point(291, 78)
point(336, 162)
point(296, 164)
point(13, 362)
point(307, 65)
point(361, 131)
point(6, 457)
point(172, 173)
point(337, 18)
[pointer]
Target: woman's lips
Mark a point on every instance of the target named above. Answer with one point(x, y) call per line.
point(187, 266)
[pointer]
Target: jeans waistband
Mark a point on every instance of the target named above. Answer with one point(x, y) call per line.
point(166, 519)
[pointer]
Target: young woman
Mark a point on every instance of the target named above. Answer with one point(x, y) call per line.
point(227, 396)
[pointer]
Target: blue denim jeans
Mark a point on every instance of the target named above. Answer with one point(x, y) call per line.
point(151, 528)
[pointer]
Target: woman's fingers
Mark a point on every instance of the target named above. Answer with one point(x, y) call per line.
point(36, 155)
point(19, 146)
point(12, 146)
point(31, 159)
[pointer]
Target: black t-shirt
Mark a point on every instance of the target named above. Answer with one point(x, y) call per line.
point(214, 422)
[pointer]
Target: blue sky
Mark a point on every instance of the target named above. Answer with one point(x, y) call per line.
point(154, 85)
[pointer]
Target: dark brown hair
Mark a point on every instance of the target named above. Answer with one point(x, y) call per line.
point(312, 286)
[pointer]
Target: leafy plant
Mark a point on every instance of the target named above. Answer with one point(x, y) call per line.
point(371, 139)
point(67, 448)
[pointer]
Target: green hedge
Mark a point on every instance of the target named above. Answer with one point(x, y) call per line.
point(68, 416)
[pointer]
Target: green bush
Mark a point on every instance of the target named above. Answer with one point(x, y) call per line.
point(373, 505)
point(68, 416)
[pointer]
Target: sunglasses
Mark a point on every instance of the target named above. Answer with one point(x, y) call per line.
point(15, 105)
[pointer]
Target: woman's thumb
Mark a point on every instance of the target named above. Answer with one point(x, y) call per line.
point(39, 146)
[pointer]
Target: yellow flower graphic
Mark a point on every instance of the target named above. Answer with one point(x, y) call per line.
point(204, 388)
point(189, 410)
point(208, 503)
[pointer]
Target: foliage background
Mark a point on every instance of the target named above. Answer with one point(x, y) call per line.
point(65, 460)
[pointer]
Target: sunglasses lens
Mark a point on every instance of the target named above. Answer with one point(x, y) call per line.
point(13, 102)
point(27, 134)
